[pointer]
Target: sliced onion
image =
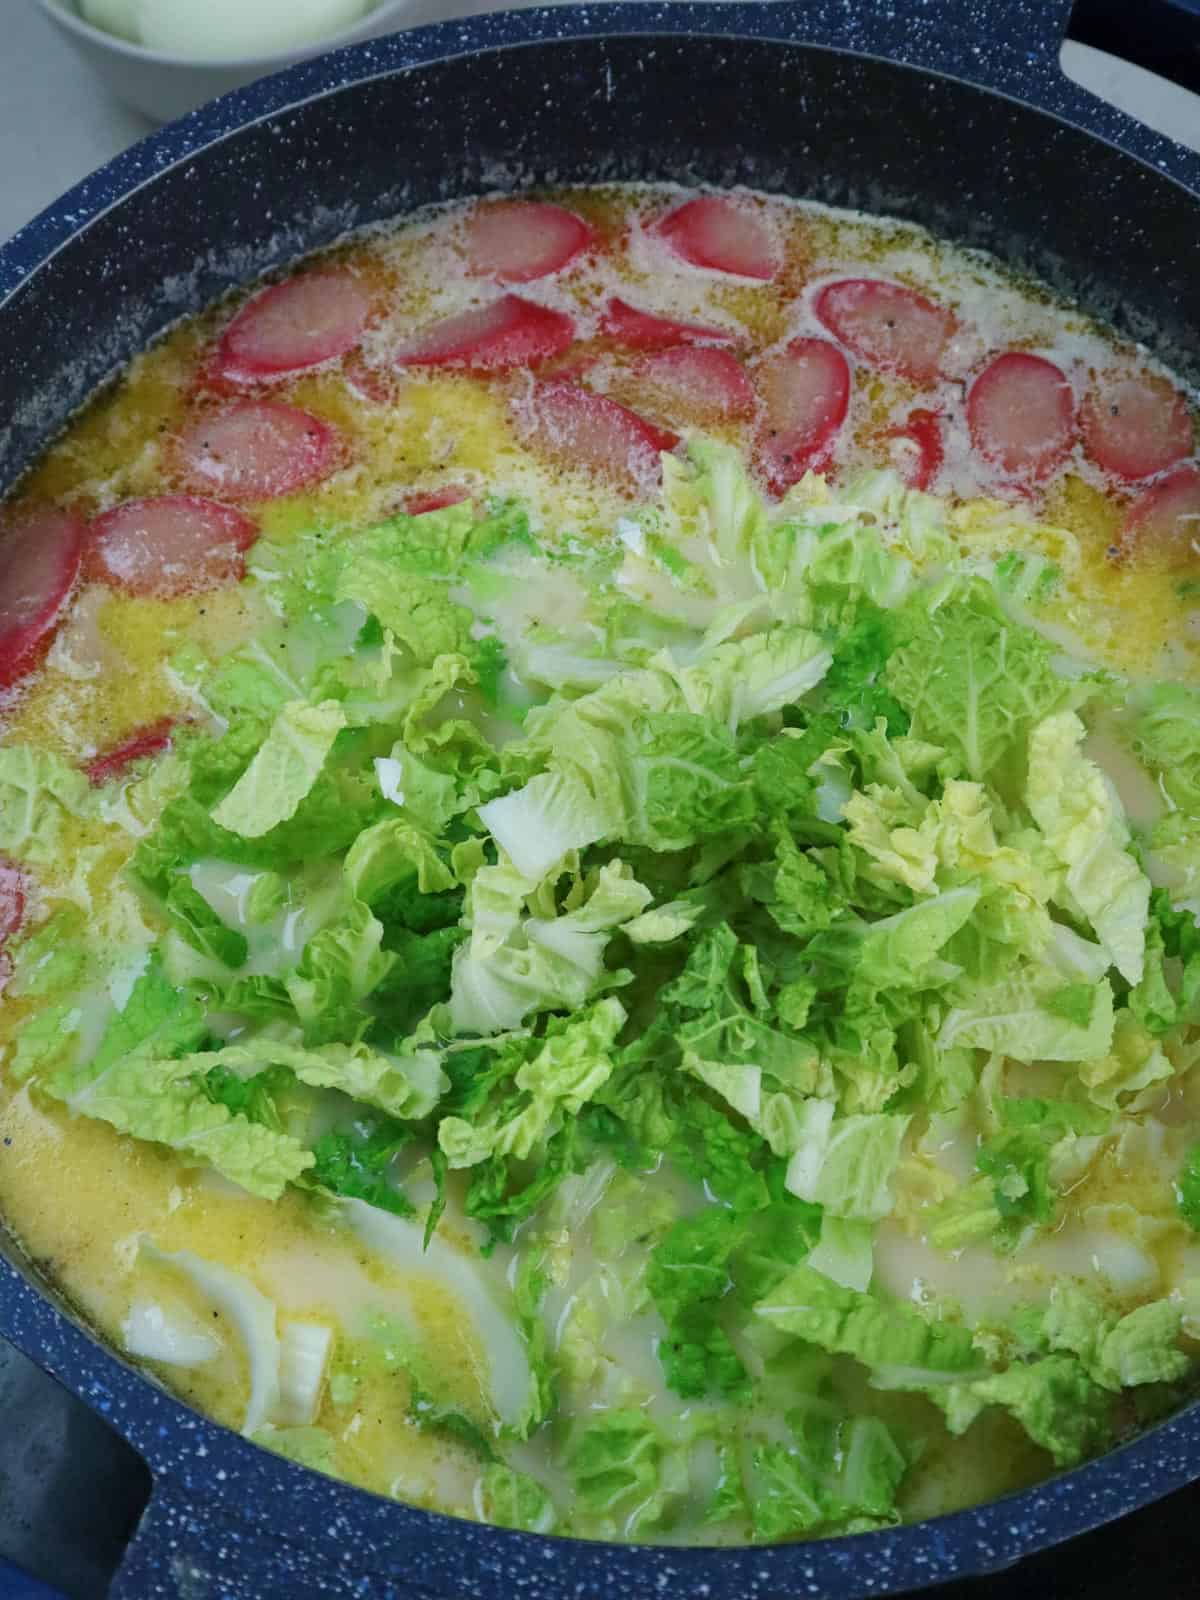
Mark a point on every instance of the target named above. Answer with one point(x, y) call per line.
point(304, 1351)
point(151, 1333)
point(250, 1312)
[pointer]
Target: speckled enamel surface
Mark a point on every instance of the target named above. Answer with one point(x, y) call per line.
point(231, 1522)
point(618, 91)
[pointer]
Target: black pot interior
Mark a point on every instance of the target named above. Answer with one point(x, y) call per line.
point(1097, 226)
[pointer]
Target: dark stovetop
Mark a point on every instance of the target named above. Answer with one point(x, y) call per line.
point(71, 1493)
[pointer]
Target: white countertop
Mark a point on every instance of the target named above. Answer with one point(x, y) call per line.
point(57, 124)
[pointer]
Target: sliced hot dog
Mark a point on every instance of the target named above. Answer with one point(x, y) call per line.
point(511, 332)
point(175, 544)
point(1021, 415)
point(716, 232)
point(707, 385)
point(805, 390)
point(1135, 424)
point(151, 740)
point(919, 460)
point(14, 894)
point(515, 241)
point(571, 424)
point(642, 330)
point(14, 890)
point(39, 562)
point(256, 450)
point(311, 318)
point(1164, 520)
point(416, 505)
point(887, 326)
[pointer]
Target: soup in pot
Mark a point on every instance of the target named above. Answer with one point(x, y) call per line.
point(600, 832)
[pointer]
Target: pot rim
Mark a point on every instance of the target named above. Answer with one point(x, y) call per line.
point(182, 1446)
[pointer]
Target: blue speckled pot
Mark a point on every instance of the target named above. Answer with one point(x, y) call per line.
point(951, 113)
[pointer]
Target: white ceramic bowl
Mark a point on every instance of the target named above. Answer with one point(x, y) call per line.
point(165, 86)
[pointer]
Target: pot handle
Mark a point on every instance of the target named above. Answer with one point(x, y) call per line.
point(187, 1547)
point(1015, 52)
point(182, 1546)
point(1163, 36)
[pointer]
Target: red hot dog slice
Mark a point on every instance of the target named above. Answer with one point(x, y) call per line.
point(14, 892)
point(176, 544)
point(511, 332)
point(642, 330)
point(1164, 521)
point(1021, 415)
point(708, 385)
point(805, 391)
point(922, 459)
point(562, 420)
point(516, 241)
point(716, 232)
point(1135, 424)
point(416, 505)
point(887, 326)
point(151, 740)
point(256, 450)
point(39, 562)
point(294, 325)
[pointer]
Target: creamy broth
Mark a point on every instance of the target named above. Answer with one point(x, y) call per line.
point(415, 1335)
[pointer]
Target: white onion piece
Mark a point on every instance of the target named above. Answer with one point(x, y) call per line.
point(250, 1312)
point(304, 1351)
point(151, 1334)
